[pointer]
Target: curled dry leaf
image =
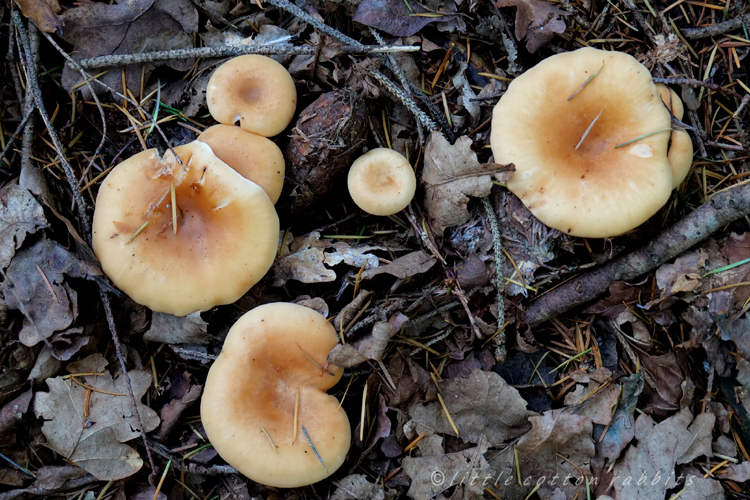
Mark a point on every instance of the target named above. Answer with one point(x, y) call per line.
point(676, 440)
point(392, 16)
point(451, 174)
point(409, 265)
point(190, 329)
point(371, 346)
point(43, 12)
point(536, 21)
point(95, 442)
point(20, 214)
point(664, 379)
point(482, 406)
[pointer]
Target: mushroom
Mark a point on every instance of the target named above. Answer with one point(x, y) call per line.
point(382, 182)
point(253, 156)
point(680, 152)
point(588, 135)
point(254, 89)
point(264, 406)
point(224, 240)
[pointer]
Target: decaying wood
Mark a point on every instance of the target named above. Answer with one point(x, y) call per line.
point(720, 210)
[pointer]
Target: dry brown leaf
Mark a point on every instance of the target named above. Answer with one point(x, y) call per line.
point(664, 379)
point(553, 435)
point(409, 265)
point(371, 346)
point(659, 448)
point(357, 486)
point(36, 287)
point(451, 174)
point(130, 26)
point(190, 329)
point(700, 488)
point(599, 406)
point(482, 406)
point(682, 276)
point(95, 442)
point(432, 475)
point(536, 20)
point(170, 413)
point(20, 214)
point(43, 12)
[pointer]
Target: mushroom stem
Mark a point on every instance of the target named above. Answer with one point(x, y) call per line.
point(296, 416)
point(589, 129)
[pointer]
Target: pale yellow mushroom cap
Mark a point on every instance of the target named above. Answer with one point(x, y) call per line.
point(253, 156)
point(252, 387)
point(597, 190)
point(382, 182)
point(227, 230)
point(680, 155)
point(254, 90)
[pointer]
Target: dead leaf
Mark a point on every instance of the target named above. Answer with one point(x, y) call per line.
point(681, 276)
point(306, 259)
point(169, 329)
point(556, 434)
point(11, 418)
point(699, 488)
point(663, 383)
point(451, 174)
point(371, 346)
point(43, 12)
point(409, 265)
point(483, 405)
point(130, 26)
point(52, 477)
point(171, 412)
point(20, 214)
point(392, 16)
point(599, 406)
point(95, 442)
point(536, 21)
point(432, 475)
point(738, 472)
point(659, 448)
point(622, 428)
point(356, 487)
point(36, 287)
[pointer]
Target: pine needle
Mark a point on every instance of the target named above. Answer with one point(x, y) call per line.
point(588, 80)
point(309, 441)
point(642, 137)
point(589, 130)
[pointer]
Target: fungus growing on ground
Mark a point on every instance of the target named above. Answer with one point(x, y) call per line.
point(253, 156)
point(264, 407)
point(680, 152)
point(254, 90)
point(180, 238)
point(588, 135)
point(382, 182)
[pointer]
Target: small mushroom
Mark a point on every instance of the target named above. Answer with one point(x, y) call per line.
point(183, 237)
point(253, 156)
point(382, 182)
point(680, 152)
point(254, 90)
point(264, 406)
point(588, 135)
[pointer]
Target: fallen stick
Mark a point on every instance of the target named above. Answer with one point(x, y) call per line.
point(231, 51)
point(722, 209)
point(716, 29)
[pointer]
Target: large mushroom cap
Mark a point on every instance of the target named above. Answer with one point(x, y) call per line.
point(226, 239)
point(253, 156)
point(597, 190)
point(254, 89)
point(382, 182)
point(252, 390)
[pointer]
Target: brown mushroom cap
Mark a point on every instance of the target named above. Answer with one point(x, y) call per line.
point(597, 190)
point(672, 100)
point(254, 89)
point(254, 157)
point(382, 182)
point(680, 155)
point(252, 387)
point(227, 230)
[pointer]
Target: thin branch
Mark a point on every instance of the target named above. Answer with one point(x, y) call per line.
point(722, 209)
point(324, 28)
point(18, 131)
point(697, 83)
point(716, 29)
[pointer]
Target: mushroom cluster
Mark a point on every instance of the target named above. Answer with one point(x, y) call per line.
point(197, 228)
point(589, 136)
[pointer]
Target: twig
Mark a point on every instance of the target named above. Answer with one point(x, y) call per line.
point(38, 491)
point(716, 29)
point(33, 85)
point(324, 28)
point(180, 465)
point(232, 51)
point(492, 218)
point(118, 351)
point(20, 127)
point(697, 83)
point(402, 96)
point(710, 217)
